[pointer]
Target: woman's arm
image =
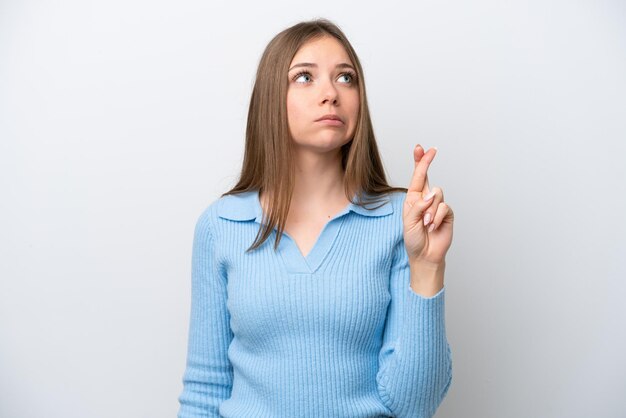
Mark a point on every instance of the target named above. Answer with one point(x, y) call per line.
point(207, 380)
point(415, 362)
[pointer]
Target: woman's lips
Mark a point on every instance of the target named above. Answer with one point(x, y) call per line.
point(331, 122)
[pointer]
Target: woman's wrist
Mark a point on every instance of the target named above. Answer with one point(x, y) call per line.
point(427, 278)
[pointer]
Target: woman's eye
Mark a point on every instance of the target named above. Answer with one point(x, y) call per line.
point(350, 77)
point(302, 75)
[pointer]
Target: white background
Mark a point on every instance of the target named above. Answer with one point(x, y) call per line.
point(120, 121)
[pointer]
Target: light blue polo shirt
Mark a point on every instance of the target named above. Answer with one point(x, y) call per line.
point(338, 333)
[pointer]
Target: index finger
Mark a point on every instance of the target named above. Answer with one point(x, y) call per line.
point(419, 181)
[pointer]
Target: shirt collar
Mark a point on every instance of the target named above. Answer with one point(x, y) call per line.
point(246, 206)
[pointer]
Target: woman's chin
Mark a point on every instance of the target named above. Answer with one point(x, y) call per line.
point(324, 142)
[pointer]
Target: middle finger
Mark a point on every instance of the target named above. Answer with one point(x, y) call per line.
point(419, 181)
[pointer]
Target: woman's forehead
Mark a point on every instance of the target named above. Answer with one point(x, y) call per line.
point(319, 51)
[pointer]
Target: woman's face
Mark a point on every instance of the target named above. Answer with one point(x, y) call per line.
point(327, 84)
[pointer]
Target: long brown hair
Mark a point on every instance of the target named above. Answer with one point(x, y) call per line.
point(268, 164)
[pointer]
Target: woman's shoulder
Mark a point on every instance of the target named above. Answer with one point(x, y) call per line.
point(397, 196)
point(389, 214)
point(396, 199)
point(241, 206)
point(205, 219)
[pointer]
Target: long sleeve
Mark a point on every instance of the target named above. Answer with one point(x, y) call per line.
point(207, 379)
point(415, 362)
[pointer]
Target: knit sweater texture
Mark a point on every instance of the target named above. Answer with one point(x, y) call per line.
point(338, 333)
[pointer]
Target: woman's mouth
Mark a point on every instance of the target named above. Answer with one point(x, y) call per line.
point(331, 122)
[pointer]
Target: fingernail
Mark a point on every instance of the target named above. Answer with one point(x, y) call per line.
point(429, 196)
point(431, 227)
point(427, 218)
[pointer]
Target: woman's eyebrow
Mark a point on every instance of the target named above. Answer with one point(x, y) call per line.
point(310, 64)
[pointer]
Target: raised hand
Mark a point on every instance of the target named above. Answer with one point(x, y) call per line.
point(427, 219)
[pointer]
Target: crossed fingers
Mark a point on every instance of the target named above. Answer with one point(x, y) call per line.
point(437, 209)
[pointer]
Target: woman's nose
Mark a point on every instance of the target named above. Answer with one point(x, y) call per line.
point(329, 93)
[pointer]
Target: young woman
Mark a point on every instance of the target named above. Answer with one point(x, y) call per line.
point(307, 300)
